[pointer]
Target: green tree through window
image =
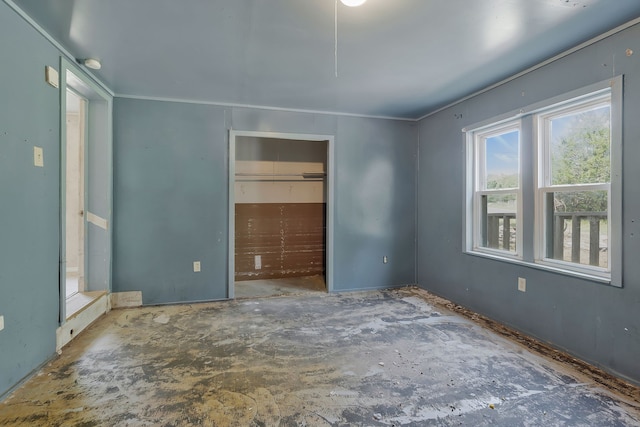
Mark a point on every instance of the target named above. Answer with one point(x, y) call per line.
point(581, 155)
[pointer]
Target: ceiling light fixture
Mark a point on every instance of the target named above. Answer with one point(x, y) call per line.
point(353, 3)
point(92, 63)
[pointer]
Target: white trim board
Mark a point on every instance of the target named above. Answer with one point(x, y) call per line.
point(126, 299)
point(98, 221)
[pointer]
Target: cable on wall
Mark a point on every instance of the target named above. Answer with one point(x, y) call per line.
point(335, 33)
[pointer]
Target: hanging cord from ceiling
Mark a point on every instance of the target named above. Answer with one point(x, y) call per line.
point(335, 34)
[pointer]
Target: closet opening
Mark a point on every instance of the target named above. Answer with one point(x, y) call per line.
point(280, 215)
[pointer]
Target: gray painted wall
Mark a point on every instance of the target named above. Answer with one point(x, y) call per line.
point(375, 203)
point(171, 196)
point(30, 199)
point(596, 322)
point(170, 170)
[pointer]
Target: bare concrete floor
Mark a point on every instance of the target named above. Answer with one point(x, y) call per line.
point(363, 359)
point(279, 287)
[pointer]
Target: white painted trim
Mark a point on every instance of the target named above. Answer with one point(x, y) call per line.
point(259, 107)
point(96, 220)
point(126, 299)
point(73, 326)
point(468, 221)
point(231, 272)
point(601, 93)
point(537, 66)
point(62, 144)
point(616, 192)
point(86, 85)
point(330, 139)
point(55, 43)
point(588, 95)
point(476, 186)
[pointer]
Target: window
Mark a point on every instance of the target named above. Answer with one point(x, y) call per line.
point(571, 187)
point(574, 143)
point(496, 196)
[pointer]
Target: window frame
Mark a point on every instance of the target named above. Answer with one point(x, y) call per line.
point(530, 199)
point(477, 150)
point(545, 186)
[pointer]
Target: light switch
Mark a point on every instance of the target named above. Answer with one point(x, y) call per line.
point(196, 266)
point(38, 157)
point(1, 323)
point(51, 76)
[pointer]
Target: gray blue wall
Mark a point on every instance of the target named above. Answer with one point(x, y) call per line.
point(29, 200)
point(595, 322)
point(171, 196)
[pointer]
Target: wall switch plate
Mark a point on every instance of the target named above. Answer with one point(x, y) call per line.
point(1, 323)
point(51, 76)
point(38, 157)
point(196, 266)
point(257, 261)
point(522, 284)
point(385, 259)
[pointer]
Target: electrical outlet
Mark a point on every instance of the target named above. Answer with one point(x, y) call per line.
point(257, 262)
point(38, 157)
point(522, 284)
point(196, 266)
point(385, 259)
point(1, 323)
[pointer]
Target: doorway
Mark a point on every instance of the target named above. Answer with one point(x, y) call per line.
point(74, 177)
point(85, 200)
point(280, 214)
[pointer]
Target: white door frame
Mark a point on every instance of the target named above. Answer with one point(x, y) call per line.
point(329, 139)
point(91, 91)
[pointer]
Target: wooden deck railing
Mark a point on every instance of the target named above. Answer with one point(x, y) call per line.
point(576, 218)
point(496, 232)
point(501, 229)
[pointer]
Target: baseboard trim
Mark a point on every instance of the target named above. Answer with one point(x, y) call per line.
point(126, 299)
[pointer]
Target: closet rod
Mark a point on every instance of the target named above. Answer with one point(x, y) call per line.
point(304, 174)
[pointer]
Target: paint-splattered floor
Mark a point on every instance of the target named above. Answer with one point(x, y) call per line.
point(279, 287)
point(364, 359)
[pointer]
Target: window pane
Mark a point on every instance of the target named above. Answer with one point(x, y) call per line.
point(579, 230)
point(499, 221)
point(502, 160)
point(580, 147)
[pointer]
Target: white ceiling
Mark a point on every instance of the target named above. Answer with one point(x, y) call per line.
point(395, 58)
